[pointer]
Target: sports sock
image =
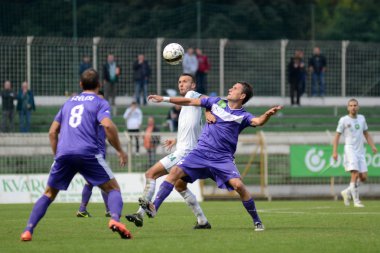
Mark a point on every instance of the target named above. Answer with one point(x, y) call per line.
point(192, 202)
point(356, 191)
point(38, 212)
point(353, 191)
point(251, 209)
point(164, 191)
point(86, 195)
point(149, 190)
point(115, 204)
point(105, 199)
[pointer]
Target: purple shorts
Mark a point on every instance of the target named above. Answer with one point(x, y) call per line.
point(201, 164)
point(94, 169)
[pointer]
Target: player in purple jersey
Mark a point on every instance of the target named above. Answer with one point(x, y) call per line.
point(77, 150)
point(214, 155)
point(87, 188)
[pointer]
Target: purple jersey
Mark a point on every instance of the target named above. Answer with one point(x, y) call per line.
point(80, 118)
point(222, 137)
point(102, 140)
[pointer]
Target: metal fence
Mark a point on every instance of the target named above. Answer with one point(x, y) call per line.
point(51, 65)
point(263, 160)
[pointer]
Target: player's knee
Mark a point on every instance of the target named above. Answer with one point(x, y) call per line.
point(51, 193)
point(180, 186)
point(238, 186)
point(175, 174)
point(363, 177)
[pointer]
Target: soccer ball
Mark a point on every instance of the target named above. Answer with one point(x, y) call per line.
point(173, 53)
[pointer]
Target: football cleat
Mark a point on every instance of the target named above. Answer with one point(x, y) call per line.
point(83, 214)
point(148, 207)
point(119, 227)
point(259, 226)
point(204, 226)
point(358, 204)
point(346, 197)
point(135, 218)
point(26, 236)
point(107, 214)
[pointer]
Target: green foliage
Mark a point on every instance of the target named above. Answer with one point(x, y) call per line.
point(241, 19)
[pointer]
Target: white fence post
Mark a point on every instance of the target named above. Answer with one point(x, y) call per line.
point(29, 41)
point(222, 45)
point(158, 64)
point(344, 51)
point(95, 43)
point(284, 43)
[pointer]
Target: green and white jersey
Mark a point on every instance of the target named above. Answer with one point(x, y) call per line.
point(189, 124)
point(352, 129)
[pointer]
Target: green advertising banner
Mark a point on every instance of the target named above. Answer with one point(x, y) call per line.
point(317, 161)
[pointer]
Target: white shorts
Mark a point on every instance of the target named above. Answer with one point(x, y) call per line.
point(172, 159)
point(354, 161)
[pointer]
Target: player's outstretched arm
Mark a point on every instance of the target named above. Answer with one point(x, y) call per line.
point(53, 135)
point(259, 121)
point(369, 139)
point(113, 138)
point(175, 100)
point(335, 146)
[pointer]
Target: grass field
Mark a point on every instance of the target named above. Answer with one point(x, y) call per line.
point(291, 226)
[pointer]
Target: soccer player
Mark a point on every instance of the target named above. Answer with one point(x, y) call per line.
point(77, 150)
point(87, 189)
point(353, 126)
point(189, 129)
point(214, 155)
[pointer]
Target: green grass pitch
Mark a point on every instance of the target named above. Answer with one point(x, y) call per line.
point(291, 226)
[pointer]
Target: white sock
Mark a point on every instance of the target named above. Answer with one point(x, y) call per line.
point(192, 202)
point(149, 190)
point(354, 192)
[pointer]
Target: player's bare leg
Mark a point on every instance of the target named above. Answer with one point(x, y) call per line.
point(39, 210)
point(191, 201)
point(115, 204)
point(248, 202)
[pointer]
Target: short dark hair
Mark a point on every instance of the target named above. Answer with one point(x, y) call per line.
point(89, 79)
point(353, 100)
point(247, 90)
point(190, 75)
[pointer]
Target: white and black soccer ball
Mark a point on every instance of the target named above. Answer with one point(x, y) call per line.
point(173, 53)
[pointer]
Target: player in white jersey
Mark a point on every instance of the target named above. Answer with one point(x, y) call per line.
point(354, 127)
point(189, 129)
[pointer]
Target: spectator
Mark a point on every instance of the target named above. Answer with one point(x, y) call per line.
point(7, 97)
point(173, 115)
point(141, 74)
point(111, 72)
point(190, 62)
point(317, 66)
point(151, 141)
point(85, 64)
point(203, 69)
point(301, 56)
point(25, 106)
point(133, 118)
point(295, 71)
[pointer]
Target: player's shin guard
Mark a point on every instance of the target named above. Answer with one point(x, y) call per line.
point(192, 202)
point(251, 209)
point(149, 190)
point(165, 189)
point(38, 212)
point(105, 199)
point(115, 204)
point(86, 195)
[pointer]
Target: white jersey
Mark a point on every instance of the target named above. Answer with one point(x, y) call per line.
point(352, 129)
point(189, 125)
